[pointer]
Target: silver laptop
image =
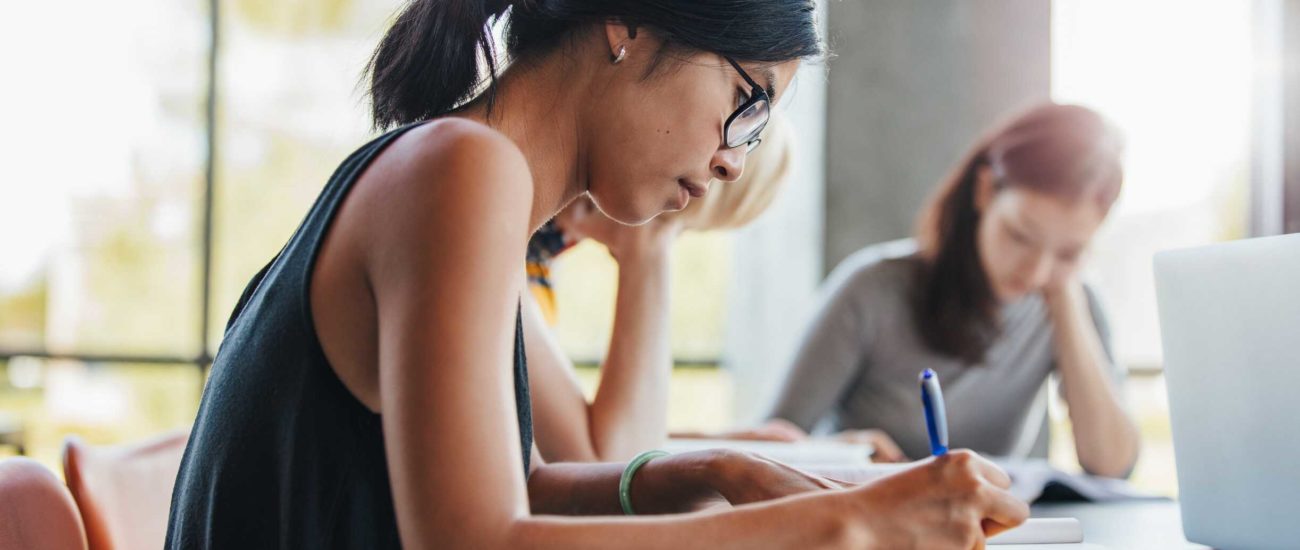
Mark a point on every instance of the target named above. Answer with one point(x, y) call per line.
point(1230, 324)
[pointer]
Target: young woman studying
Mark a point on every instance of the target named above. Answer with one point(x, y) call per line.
point(990, 299)
point(371, 390)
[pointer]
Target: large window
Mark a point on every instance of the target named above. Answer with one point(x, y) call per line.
point(157, 153)
point(102, 147)
point(586, 281)
point(122, 223)
point(292, 107)
point(103, 159)
point(1176, 78)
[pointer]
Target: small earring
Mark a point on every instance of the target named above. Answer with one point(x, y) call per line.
point(622, 53)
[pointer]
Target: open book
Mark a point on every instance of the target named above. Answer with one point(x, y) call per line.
point(1034, 480)
point(811, 452)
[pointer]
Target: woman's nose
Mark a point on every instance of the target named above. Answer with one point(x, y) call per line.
point(729, 163)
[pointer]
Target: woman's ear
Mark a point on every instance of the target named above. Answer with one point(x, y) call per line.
point(985, 187)
point(619, 36)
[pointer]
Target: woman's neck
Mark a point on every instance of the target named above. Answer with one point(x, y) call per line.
point(537, 106)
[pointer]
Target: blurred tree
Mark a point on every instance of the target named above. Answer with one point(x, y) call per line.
point(294, 18)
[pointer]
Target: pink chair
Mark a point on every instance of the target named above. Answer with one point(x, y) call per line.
point(124, 492)
point(36, 511)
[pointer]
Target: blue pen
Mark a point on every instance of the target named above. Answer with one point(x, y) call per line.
point(936, 418)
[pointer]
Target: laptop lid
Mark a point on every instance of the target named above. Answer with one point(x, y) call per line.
point(1230, 325)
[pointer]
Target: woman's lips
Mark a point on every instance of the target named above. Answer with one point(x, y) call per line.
point(680, 201)
point(696, 190)
point(685, 191)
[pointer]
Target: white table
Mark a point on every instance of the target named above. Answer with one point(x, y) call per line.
point(1146, 525)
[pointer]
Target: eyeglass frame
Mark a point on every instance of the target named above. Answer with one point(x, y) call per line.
point(757, 94)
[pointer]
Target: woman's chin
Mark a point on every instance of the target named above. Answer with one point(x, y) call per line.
point(642, 216)
point(642, 220)
point(632, 216)
point(624, 214)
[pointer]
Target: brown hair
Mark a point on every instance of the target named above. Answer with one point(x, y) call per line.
point(1063, 150)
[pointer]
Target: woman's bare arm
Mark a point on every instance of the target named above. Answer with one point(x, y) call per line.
point(952, 502)
point(629, 413)
point(1106, 439)
point(561, 413)
point(444, 269)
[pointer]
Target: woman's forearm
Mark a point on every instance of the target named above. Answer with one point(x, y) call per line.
point(665, 485)
point(1105, 438)
point(630, 411)
point(800, 521)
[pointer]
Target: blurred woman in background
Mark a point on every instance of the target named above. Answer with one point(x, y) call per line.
point(989, 297)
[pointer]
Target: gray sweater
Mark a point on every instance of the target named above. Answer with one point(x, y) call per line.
point(857, 366)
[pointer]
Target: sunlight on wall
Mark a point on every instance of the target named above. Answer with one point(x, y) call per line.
point(1175, 77)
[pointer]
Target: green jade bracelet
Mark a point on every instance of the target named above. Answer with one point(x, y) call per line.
point(625, 482)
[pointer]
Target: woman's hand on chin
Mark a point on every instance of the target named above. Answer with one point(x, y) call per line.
point(1062, 290)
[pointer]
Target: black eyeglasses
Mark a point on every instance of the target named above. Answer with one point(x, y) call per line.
point(745, 126)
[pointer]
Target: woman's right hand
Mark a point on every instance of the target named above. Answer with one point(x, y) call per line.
point(953, 501)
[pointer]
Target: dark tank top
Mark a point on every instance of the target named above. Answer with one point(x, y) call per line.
point(282, 455)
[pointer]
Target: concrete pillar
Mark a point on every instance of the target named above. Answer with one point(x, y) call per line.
point(911, 86)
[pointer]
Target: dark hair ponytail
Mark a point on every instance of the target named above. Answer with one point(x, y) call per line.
point(428, 62)
point(955, 311)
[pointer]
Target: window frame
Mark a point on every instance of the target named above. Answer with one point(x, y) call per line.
point(1275, 174)
point(202, 359)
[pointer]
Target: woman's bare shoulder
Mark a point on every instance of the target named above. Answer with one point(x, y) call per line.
point(462, 154)
point(453, 184)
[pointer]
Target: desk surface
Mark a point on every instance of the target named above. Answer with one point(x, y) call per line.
point(1154, 525)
